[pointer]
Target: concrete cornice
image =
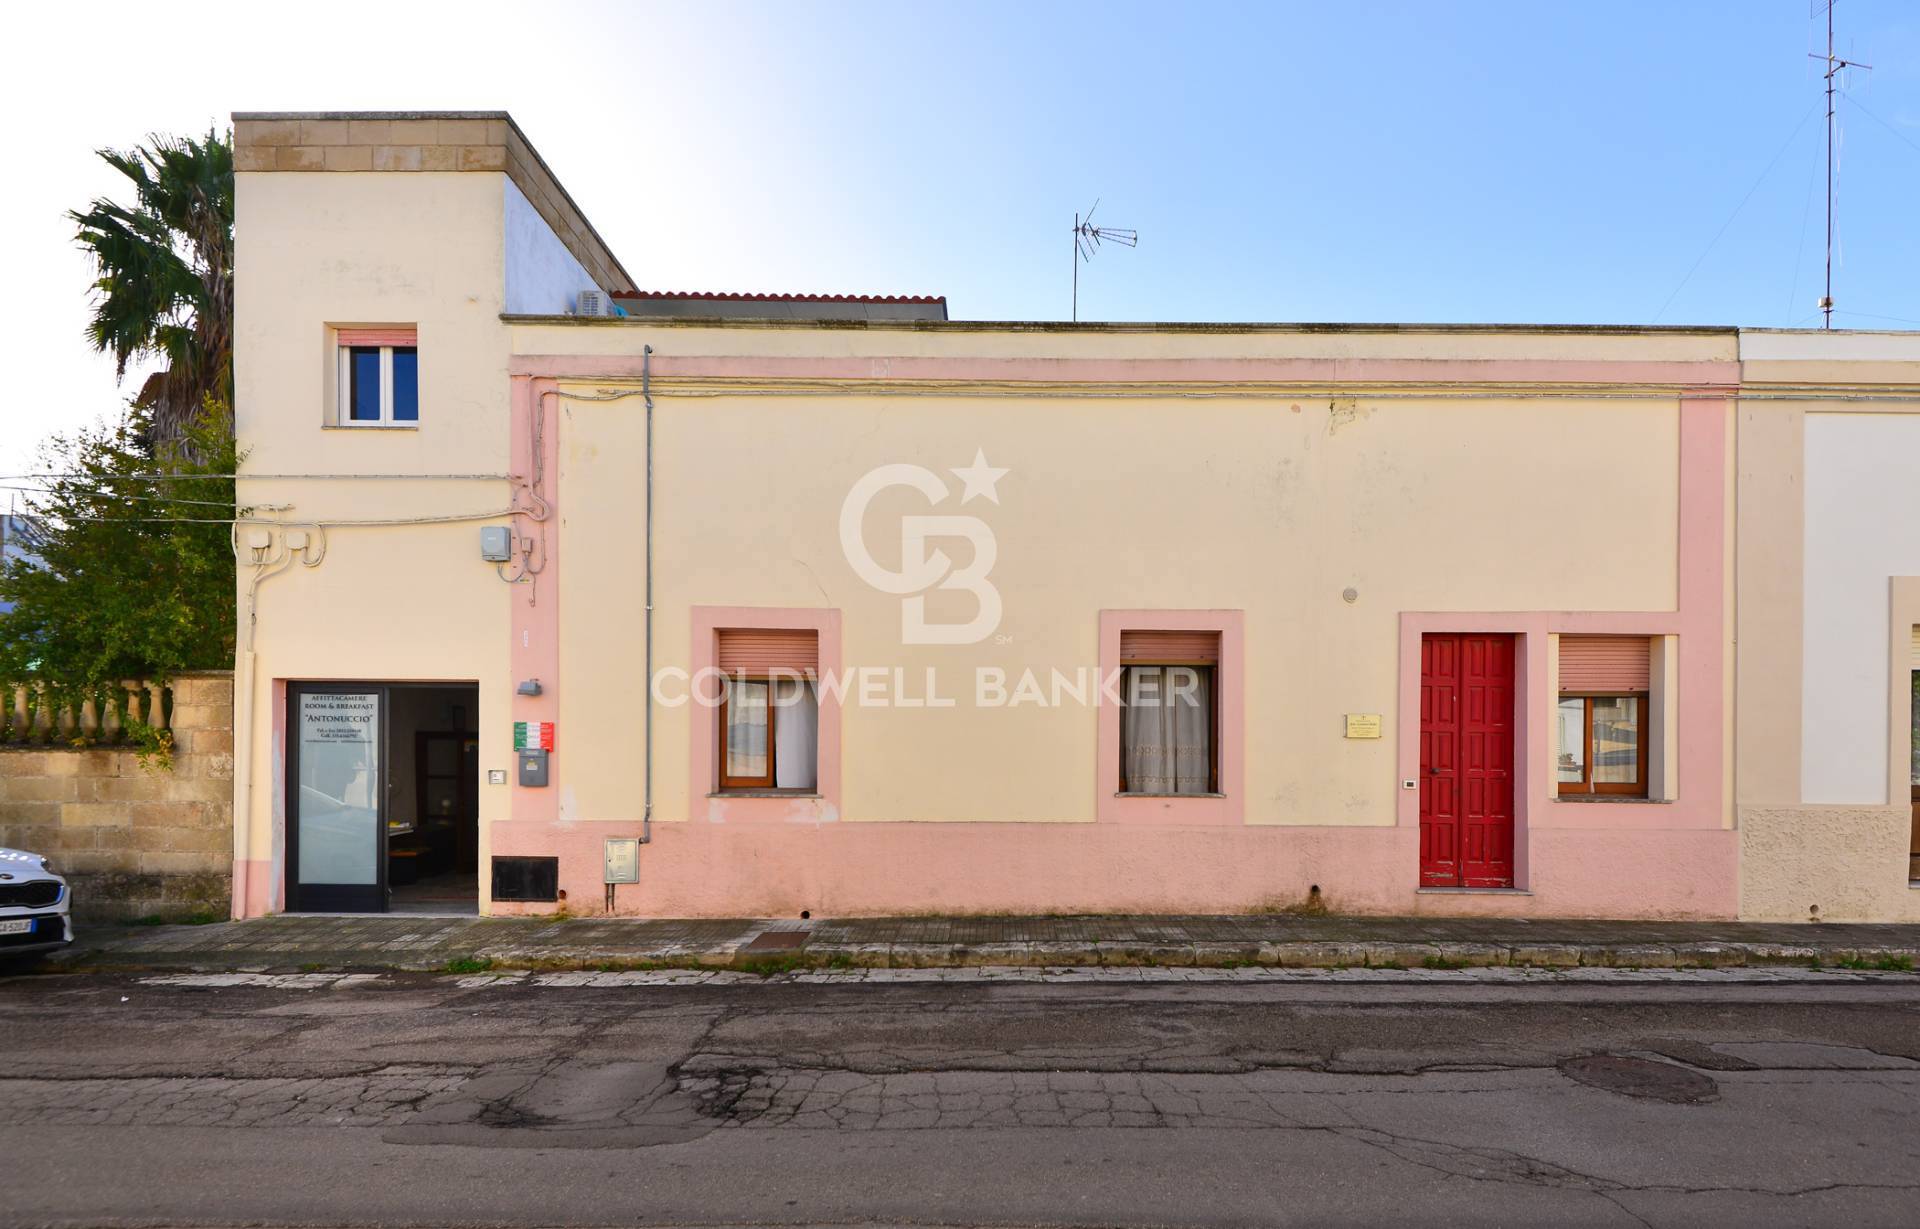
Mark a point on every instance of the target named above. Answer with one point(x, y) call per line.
point(1097, 327)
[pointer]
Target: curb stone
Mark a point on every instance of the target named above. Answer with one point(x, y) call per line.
point(1220, 946)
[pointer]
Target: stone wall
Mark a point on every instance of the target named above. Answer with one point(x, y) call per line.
point(134, 841)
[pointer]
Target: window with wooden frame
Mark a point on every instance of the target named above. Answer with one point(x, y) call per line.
point(769, 714)
point(379, 377)
point(1603, 716)
point(1169, 713)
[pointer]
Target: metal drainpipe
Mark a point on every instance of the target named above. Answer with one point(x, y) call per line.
point(243, 717)
point(243, 784)
point(646, 393)
point(243, 723)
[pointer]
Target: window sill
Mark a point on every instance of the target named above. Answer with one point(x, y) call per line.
point(1622, 799)
point(1124, 794)
point(1472, 892)
point(369, 426)
point(763, 793)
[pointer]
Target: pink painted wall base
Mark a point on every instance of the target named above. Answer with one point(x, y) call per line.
point(868, 869)
point(254, 892)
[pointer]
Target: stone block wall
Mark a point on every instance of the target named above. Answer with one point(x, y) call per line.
point(134, 841)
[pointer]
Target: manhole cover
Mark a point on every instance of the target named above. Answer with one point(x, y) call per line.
point(1641, 1077)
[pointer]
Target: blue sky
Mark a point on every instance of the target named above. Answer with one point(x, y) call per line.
point(1323, 162)
point(1485, 162)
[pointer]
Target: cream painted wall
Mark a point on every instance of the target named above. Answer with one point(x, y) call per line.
point(1862, 527)
point(388, 603)
point(316, 250)
point(1827, 447)
point(1269, 505)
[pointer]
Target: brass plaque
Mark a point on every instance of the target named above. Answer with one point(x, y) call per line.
point(1363, 725)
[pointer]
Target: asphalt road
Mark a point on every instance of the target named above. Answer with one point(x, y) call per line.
point(414, 1100)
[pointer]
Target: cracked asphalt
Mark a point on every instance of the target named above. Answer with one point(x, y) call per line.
point(410, 1099)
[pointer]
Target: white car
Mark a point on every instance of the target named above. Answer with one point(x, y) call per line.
point(33, 906)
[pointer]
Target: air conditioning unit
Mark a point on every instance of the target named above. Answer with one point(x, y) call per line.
point(594, 303)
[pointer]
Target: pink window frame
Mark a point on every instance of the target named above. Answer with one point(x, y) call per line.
point(1110, 806)
point(704, 743)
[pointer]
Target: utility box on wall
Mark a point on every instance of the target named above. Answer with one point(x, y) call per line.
point(622, 860)
point(533, 766)
point(496, 544)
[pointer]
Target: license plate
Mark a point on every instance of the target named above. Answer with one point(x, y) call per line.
point(21, 927)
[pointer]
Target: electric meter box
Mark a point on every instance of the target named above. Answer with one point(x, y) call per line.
point(533, 766)
point(496, 543)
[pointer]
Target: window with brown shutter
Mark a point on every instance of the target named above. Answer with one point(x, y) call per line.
point(1169, 714)
point(1605, 686)
point(379, 376)
point(769, 716)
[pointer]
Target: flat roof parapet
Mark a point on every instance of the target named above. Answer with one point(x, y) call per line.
point(404, 141)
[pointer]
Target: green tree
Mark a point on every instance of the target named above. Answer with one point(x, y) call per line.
point(165, 275)
point(134, 574)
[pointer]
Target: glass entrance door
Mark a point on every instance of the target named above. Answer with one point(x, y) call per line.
point(337, 803)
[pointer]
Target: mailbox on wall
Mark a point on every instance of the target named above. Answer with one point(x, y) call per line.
point(533, 766)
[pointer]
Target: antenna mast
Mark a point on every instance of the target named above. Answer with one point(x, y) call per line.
point(1086, 241)
point(1833, 66)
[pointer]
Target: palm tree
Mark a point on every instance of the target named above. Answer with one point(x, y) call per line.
point(165, 285)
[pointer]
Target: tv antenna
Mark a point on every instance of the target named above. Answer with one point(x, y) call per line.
point(1834, 66)
point(1087, 239)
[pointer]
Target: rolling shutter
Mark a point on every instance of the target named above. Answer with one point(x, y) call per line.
point(1604, 663)
point(1170, 648)
point(757, 650)
point(379, 337)
point(1916, 646)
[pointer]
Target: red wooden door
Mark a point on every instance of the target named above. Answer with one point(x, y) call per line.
point(1466, 761)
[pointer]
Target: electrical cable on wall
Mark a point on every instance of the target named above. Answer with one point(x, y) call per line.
point(248, 477)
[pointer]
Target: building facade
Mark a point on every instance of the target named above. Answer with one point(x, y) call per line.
point(558, 594)
point(1829, 625)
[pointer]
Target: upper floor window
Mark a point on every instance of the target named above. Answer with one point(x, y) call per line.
point(379, 377)
point(1602, 716)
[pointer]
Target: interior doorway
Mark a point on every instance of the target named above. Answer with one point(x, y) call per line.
point(383, 798)
point(433, 802)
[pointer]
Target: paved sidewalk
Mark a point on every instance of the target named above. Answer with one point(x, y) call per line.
point(471, 944)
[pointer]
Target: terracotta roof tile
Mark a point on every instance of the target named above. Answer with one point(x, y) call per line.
point(718, 296)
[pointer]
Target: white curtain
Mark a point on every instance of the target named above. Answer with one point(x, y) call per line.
point(746, 729)
point(1167, 730)
point(796, 735)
